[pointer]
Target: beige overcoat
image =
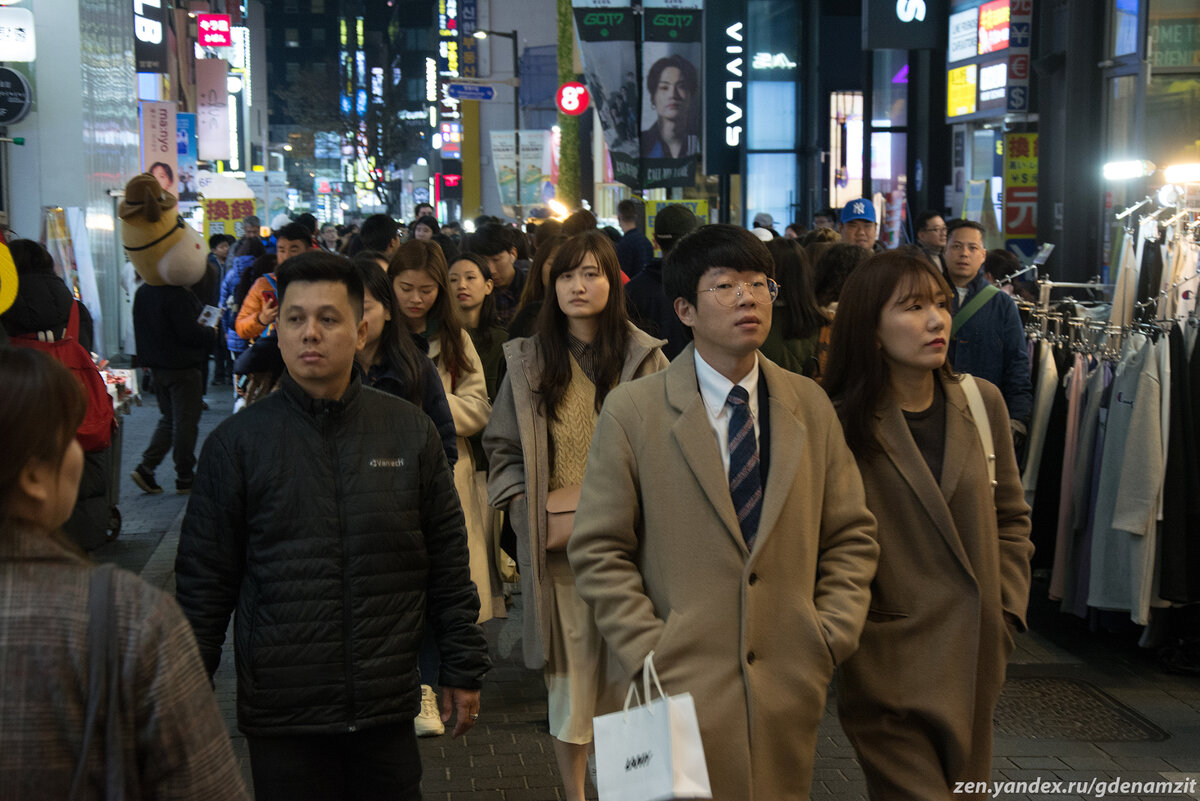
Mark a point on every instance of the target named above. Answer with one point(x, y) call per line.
point(467, 396)
point(917, 698)
point(658, 554)
point(517, 443)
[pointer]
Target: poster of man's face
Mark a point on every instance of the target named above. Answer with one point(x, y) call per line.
point(671, 100)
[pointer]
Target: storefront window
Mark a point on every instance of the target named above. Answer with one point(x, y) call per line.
point(889, 102)
point(772, 106)
point(1174, 33)
point(770, 178)
point(846, 147)
point(1174, 97)
point(1124, 22)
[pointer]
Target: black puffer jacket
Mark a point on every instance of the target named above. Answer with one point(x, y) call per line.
point(331, 526)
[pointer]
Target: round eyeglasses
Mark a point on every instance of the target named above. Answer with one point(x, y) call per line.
point(729, 293)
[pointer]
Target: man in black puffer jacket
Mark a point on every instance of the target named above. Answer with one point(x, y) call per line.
point(326, 515)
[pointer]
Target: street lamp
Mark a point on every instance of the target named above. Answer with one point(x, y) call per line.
point(482, 34)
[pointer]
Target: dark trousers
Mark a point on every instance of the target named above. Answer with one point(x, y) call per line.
point(379, 763)
point(222, 363)
point(179, 394)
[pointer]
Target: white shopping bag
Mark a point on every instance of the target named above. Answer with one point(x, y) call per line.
point(651, 752)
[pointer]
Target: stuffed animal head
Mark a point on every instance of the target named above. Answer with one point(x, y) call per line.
point(161, 246)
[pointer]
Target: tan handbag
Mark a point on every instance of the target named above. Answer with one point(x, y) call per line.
point(560, 516)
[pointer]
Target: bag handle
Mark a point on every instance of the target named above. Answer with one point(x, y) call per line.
point(102, 656)
point(648, 672)
point(968, 311)
point(982, 426)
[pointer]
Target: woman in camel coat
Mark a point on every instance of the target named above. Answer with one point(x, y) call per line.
point(917, 698)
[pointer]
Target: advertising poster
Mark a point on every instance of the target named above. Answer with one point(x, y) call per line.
point(212, 101)
point(160, 155)
point(671, 69)
point(534, 168)
point(608, 35)
point(1020, 192)
point(185, 147)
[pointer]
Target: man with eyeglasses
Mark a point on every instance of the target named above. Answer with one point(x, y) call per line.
point(987, 339)
point(931, 236)
point(722, 525)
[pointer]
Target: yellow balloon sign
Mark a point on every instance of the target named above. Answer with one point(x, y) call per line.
point(8, 278)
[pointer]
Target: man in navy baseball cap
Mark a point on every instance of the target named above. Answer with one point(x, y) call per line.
point(859, 226)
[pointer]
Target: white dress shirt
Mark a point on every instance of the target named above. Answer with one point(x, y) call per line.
point(714, 392)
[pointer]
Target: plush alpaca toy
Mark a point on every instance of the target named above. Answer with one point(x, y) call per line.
point(162, 247)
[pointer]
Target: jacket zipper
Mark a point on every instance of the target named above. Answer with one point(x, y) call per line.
point(347, 617)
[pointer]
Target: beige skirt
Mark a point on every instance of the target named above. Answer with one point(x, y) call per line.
point(583, 679)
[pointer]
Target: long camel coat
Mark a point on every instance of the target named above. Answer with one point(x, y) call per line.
point(517, 443)
point(753, 636)
point(917, 698)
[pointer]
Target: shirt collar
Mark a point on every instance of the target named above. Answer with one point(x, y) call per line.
point(714, 387)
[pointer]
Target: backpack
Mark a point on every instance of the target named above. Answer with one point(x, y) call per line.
point(95, 432)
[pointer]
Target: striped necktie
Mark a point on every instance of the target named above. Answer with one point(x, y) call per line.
point(745, 484)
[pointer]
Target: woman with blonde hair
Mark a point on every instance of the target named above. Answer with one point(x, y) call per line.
point(537, 444)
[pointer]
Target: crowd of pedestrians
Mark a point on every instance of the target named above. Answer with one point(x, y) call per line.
point(758, 457)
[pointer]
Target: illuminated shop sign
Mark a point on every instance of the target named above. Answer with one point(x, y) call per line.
point(993, 26)
point(993, 78)
point(735, 93)
point(772, 61)
point(960, 90)
point(150, 45)
point(964, 35)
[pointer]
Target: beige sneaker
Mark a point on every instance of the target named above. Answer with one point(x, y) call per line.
point(429, 722)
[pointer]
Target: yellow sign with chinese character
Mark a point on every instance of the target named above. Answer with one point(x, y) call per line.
point(221, 215)
point(960, 90)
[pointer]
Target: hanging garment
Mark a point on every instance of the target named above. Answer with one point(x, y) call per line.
point(1083, 488)
point(1074, 383)
point(1124, 534)
point(1180, 544)
point(1149, 279)
point(1046, 384)
point(1125, 286)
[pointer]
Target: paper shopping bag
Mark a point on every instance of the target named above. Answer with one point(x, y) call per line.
point(651, 751)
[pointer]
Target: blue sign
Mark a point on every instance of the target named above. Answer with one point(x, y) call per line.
point(1019, 34)
point(1018, 98)
point(470, 91)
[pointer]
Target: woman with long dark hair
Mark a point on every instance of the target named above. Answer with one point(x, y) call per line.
point(471, 281)
point(534, 292)
point(391, 361)
point(796, 320)
point(537, 443)
point(422, 283)
point(936, 456)
point(164, 736)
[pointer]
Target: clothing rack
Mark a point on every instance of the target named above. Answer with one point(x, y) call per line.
point(1134, 207)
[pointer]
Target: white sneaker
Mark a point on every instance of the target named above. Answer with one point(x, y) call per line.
point(429, 722)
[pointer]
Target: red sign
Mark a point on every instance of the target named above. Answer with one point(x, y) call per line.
point(214, 30)
point(572, 98)
point(993, 26)
point(451, 180)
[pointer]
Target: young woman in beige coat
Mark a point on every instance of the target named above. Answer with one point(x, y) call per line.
point(916, 699)
point(421, 280)
point(537, 441)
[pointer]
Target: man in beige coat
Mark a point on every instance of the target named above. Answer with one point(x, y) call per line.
point(659, 552)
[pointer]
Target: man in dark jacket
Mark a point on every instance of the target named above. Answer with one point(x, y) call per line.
point(634, 250)
point(987, 338)
point(175, 346)
point(326, 515)
point(645, 300)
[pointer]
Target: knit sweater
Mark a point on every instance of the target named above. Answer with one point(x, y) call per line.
point(571, 433)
